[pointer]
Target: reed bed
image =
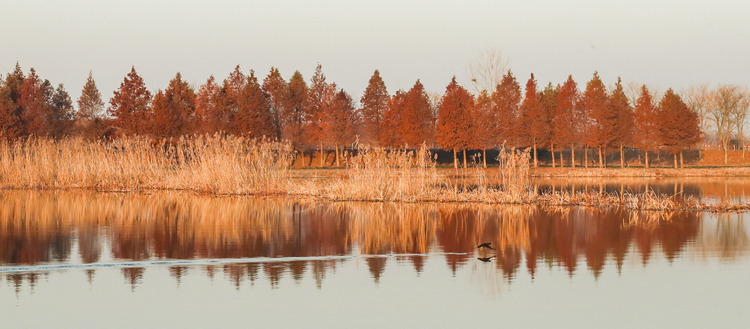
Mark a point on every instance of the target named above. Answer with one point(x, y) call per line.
point(225, 165)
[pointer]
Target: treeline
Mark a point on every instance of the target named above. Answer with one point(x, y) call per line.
point(319, 115)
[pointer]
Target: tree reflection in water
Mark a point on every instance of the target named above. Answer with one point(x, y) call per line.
point(45, 228)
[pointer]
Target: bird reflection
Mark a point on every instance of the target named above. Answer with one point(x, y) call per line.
point(485, 259)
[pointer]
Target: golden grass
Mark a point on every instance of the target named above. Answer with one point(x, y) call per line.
point(236, 166)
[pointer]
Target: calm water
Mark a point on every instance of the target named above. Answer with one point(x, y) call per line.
point(84, 260)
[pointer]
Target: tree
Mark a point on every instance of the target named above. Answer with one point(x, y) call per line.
point(646, 124)
point(11, 125)
point(698, 99)
point(390, 134)
point(278, 92)
point(506, 99)
point(678, 126)
point(293, 117)
point(374, 103)
point(725, 101)
point(603, 120)
point(485, 125)
point(548, 98)
point(174, 110)
point(338, 123)
point(739, 117)
point(534, 125)
point(623, 127)
point(254, 118)
point(319, 96)
point(61, 114)
point(90, 104)
point(565, 127)
point(88, 120)
point(417, 122)
point(207, 104)
point(35, 105)
point(455, 122)
point(130, 106)
point(487, 70)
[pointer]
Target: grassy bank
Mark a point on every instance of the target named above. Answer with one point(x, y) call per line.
point(236, 166)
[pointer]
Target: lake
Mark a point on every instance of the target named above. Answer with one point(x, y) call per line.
point(176, 260)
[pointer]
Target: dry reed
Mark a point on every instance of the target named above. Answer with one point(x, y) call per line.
point(233, 165)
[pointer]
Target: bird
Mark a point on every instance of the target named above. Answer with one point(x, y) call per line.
point(485, 245)
point(485, 259)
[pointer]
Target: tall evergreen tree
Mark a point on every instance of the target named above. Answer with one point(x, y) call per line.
point(61, 114)
point(678, 126)
point(338, 123)
point(390, 130)
point(174, 110)
point(207, 107)
point(506, 99)
point(548, 98)
point(254, 118)
point(320, 94)
point(130, 106)
point(35, 107)
point(623, 128)
point(417, 120)
point(11, 126)
point(603, 120)
point(565, 128)
point(278, 91)
point(646, 124)
point(485, 124)
point(534, 120)
point(374, 103)
point(90, 104)
point(455, 121)
point(293, 117)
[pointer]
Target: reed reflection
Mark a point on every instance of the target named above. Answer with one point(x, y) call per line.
point(45, 228)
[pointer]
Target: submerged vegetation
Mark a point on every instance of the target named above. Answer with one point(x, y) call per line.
point(225, 165)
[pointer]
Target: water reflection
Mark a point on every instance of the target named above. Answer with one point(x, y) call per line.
point(82, 228)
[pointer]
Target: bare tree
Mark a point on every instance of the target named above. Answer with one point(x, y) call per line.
point(739, 117)
point(698, 98)
point(723, 112)
point(487, 70)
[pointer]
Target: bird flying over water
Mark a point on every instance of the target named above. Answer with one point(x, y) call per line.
point(485, 245)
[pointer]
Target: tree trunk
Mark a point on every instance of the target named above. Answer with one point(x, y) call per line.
point(322, 158)
point(552, 147)
point(675, 161)
point(646, 152)
point(572, 156)
point(535, 163)
point(562, 161)
point(601, 162)
point(484, 158)
point(726, 157)
point(337, 156)
point(622, 156)
point(586, 156)
point(464, 159)
point(455, 159)
point(682, 163)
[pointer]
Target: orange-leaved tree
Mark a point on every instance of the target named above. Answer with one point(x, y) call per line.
point(417, 122)
point(320, 94)
point(600, 133)
point(548, 97)
point(566, 125)
point(678, 126)
point(506, 100)
point(130, 107)
point(373, 105)
point(534, 125)
point(623, 129)
point(338, 123)
point(455, 121)
point(254, 118)
point(174, 110)
point(485, 125)
point(646, 134)
point(207, 107)
point(11, 126)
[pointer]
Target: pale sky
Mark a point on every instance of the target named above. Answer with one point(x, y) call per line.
point(659, 43)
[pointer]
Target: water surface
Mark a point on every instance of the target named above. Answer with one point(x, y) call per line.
point(80, 260)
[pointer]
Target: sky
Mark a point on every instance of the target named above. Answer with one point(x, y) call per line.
point(659, 43)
